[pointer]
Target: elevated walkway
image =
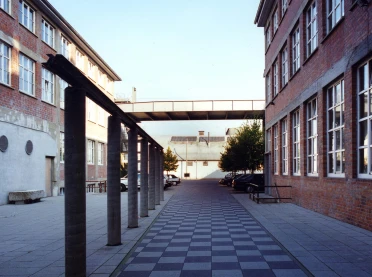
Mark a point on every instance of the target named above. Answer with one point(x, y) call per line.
point(194, 110)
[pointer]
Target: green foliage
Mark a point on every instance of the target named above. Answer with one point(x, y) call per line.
point(245, 150)
point(170, 161)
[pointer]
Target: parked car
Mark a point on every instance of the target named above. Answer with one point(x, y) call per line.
point(124, 182)
point(244, 183)
point(224, 180)
point(173, 179)
point(234, 177)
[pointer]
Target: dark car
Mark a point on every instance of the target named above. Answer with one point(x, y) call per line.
point(244, 183)
point(235, 177)
point(225, 179)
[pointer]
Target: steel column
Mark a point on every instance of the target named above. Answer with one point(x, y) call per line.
point(144, 205)
point(157, 183)
point(75, 195)
point(132, 178)
point(161, 158)
point(152, 177)
point(113, 182)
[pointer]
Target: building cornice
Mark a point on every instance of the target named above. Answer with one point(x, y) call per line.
point(78, 40)
point(263, 12)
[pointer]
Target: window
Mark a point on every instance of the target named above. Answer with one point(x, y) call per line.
point(47, 86)
point(101, 116)
point(61, 147)
point(205, 163)
point(5, 5)
point(335, 9)
point(268, 36)
point(275, 22)
point(296, 142)
point(91, 70)
point(284, 67)
point(26, 75)
point(110, 85)
point(276, 79)
point(276, 164)
point(312, 137)
point(296, 50)
point(365, 120)
point(100, 153)
point(284, 6)
point(91, 110)
point(26, 16)
point(62, 85)
point(90, 158)
point(101, 78)
point(311, 29)
point(284, 147)
point(65, 45)
point(268, 88)
point(268, 140)
point(79, 60)
point(4, 63)
point(47, 33)
point(190, 163)
point(335, 127)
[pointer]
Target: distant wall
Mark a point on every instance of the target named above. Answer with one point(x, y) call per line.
point(200, 170)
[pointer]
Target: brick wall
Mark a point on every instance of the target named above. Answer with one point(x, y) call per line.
point(348, 198)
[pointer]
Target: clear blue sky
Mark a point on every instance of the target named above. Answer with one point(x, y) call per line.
point(175, 49)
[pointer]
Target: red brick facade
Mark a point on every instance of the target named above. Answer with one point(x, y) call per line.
point(338, 55)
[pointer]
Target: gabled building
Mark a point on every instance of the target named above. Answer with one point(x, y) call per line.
point(32, 98)
point(318, 70)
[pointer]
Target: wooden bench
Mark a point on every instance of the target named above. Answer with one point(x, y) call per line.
point(25, 196)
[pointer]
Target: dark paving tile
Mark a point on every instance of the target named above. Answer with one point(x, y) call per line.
point(168, 266)
point(135, 274)
point(195, 273)
point(225, 266)
point(153, 249)
point(224, 253)
point(245, 247)
point(258, 273)
point(198, 259)
point(144, 260)
point(200, 248)
point(251, 259)
point(175, 254)
point(273, 252)
point(222, 243)
point(178, 244)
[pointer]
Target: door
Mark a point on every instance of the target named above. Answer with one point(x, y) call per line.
point(48, 177)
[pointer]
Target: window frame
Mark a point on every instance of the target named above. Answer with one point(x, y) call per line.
point(312, 137)
point(65, 47)
point(364, 87)
point(284, 62)
point(45, 95)
point(90, 152)
point(91, 110)
point(91, 69)
point(284, 7)
point(311, 26)
point(296, 50)
point(100, 153)
point(296, 134)
point(268, 141)
point(284, 153)
point(62, 86)
point(7, 8)
point(268, 36)
point(332, 129)
point(331, 17)
point(5, 59)
point(47, 33)
point(275, 78)
point(268, 87)
point(276, 149)
point(21, 18)
point(22, 70)
point(275, 21)
point(79, 60)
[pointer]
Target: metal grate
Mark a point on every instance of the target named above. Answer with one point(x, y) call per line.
point(29, 147)
point(3, 143)
point(183, 139)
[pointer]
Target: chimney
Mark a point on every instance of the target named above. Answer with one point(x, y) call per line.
point(201, 133)
point(134, 95)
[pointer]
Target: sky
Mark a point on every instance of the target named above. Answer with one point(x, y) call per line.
point(176, 50)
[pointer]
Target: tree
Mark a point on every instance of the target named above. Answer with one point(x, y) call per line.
point(170, 161)
point(245, 150)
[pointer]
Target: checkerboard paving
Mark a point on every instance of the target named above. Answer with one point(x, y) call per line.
point(204, 231)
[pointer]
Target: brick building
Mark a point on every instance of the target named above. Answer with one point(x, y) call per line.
point(318, 66)
point(32, 98)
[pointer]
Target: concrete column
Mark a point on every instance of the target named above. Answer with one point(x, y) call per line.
point(75, 195)
point(157, 183)
point(144, 178)
point(113, 182)
point(152, 178)
point(161, 158)
point(132, 178)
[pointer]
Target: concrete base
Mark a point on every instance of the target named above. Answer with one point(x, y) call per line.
point(26, 196)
